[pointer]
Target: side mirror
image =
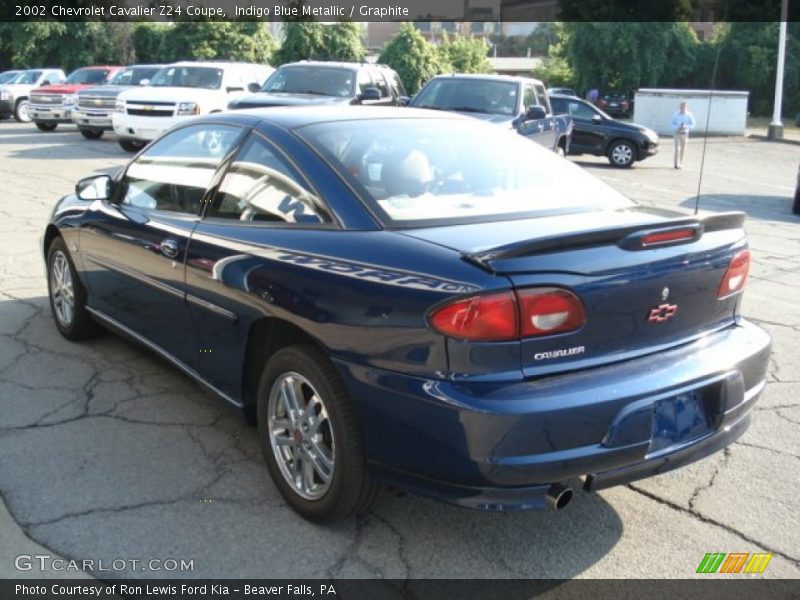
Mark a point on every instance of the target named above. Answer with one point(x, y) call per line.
point(597, 118)
point(253, 88)
point(535, 113)
point(403, 100)
point(98, 187)
point(370, 93)
point(144, 82)
point(234, 88)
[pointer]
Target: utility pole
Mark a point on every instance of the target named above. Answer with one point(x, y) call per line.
point(775, 131)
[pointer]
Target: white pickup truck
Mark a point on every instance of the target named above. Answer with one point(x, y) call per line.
point(181, 91)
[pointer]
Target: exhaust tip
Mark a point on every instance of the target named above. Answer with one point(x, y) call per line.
point(558, 496)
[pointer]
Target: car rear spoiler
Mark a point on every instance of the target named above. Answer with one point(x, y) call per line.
point(630, 237)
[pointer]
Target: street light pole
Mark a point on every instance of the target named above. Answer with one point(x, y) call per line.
point(775, 131)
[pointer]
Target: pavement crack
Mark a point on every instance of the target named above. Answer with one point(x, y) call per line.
point(700, 489)
point(708, 520)
point(774, 450)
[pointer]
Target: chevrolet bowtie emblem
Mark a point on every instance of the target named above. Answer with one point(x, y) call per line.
point(662, 313)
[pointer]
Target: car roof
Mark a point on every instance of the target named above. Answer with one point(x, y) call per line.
point(144, 66)
point(221, 64)
point(568, 97)
point(333, 64)
point(291, 117)
point(488, 77)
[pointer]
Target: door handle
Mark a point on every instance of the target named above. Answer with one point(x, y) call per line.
point(169, 248)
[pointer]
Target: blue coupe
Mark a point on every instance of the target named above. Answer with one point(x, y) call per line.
point(416, 298)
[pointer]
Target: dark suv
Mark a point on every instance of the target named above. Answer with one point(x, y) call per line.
point(594, 132)
point(319, 82)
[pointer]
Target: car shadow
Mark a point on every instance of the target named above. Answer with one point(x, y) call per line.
point(770, 208)
point(138, 456)
point(66, 142)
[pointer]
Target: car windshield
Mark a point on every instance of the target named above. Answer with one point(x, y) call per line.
point(87, 76)
point(27, 77)
point(133, 76)
point(192, 77)
point(470, 95)
point(422, 172)
point(321, 81)
point(9, 76)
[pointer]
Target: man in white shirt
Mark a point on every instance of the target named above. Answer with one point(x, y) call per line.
point(682, 122)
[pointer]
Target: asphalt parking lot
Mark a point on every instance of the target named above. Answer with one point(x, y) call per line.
point(107, 453)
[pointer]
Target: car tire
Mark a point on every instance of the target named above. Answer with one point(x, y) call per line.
point(131, 145)
point(67, 295)
point(47, 126)
point(21, 112)
point(316, 457)
point(796, 205)
point(621, 154)
point(560, 150)
point(92, 134)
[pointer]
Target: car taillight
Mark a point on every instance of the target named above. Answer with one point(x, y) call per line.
point(507, 316)
point(545, 311)
point(667, 237)
point(736, 276)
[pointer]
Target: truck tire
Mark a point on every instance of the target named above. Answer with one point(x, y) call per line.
point(131, 145)
point(47, 126)
point(91, 134)
point(21, 111)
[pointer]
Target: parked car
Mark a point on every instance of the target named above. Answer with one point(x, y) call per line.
point(614, 104)
point(595, 132)
point(321, 82)
point(14, 94)
point(7, 76)
point(796, 206)
point(95, 106)
point(562, 91)
point(517, 103)
point(178, 92)
point(52, 105)
point(394, 302)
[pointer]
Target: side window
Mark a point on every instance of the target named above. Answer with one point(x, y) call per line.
point(380, 83)
point(53, 78)
point(542, 98)
point(580, 111)
point(261, 185)
point(559, 106)
point(364, 80)
point(174, 173)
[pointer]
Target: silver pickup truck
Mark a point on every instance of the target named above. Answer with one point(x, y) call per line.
point(15, 92)
point(518, 103)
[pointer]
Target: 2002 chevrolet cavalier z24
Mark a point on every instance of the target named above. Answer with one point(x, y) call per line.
point(416, 298)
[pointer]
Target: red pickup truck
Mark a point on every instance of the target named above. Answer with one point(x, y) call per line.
point(53, 104)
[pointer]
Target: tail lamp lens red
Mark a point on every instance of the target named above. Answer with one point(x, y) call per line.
point(507, 316)
point(736, 276)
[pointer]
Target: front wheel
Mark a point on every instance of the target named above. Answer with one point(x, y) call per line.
point(622, 154)
point(132, 145)
point(67, 295)
point(92, 134)
point(47, 126)
point(21, 112)
point(311, 437)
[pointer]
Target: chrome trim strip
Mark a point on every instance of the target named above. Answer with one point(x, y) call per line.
point(223, 312)
point(127, 331)
point(141, 277)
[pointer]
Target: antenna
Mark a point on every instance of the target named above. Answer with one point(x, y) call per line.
point(708, 119)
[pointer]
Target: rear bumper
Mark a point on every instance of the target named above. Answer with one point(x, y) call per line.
point(501, 445)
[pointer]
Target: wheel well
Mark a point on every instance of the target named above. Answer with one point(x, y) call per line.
point(50, 234)
point(266, 337)
point(633, 144)
point(20, 100)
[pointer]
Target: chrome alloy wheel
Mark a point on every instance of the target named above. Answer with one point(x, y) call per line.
point(300, 435)
point(622, 154)
point(62, 289)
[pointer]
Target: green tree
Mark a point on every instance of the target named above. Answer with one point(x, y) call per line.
point(342, 41)
point(302, 40)
point(414, 59)
point(465, 55)
point(247, 41)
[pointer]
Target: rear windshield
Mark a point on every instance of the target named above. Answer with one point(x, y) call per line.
point(320, 81)
point(470, 95)
point(427, 172)
point(87, 76)
point(192, 77)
